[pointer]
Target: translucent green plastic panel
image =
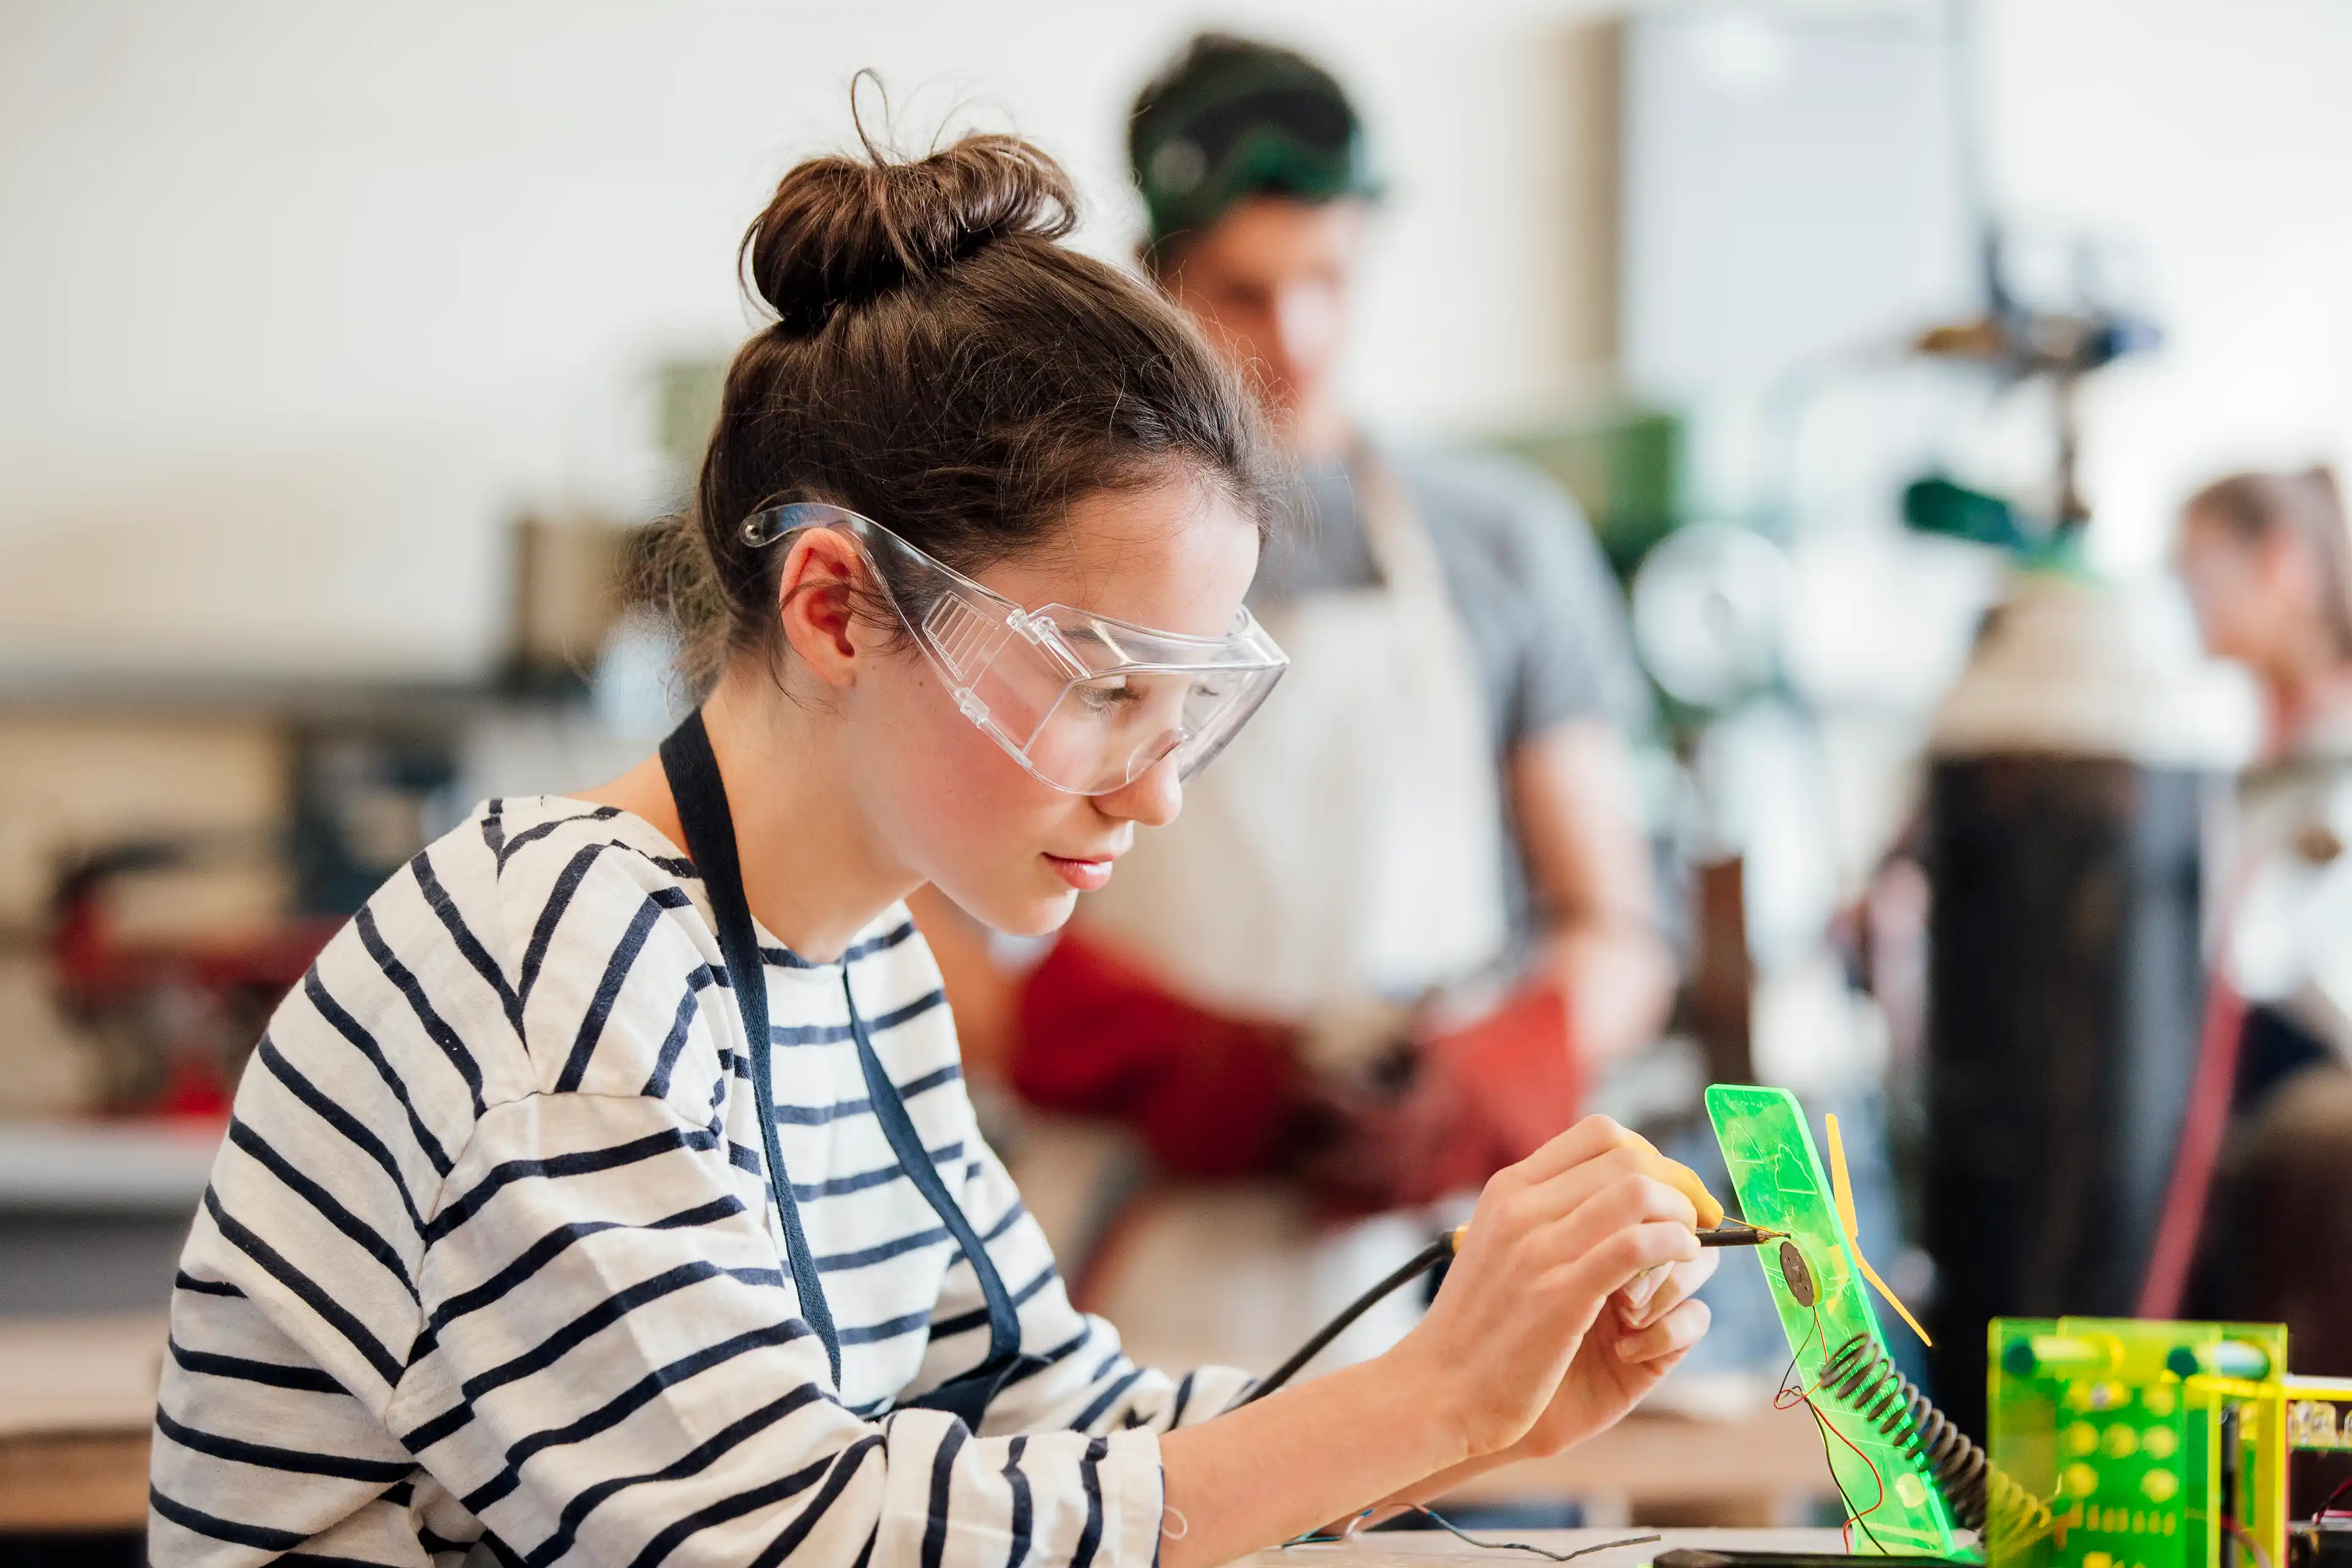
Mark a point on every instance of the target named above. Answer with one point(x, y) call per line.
point(1768, 1149)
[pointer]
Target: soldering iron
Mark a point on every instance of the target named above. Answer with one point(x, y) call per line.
point(1730, 1232)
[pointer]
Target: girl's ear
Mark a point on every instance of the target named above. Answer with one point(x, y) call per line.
point(815, 602)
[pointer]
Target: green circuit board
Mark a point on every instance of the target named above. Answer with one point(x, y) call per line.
point(2117, 1422)
point(1896, 1506)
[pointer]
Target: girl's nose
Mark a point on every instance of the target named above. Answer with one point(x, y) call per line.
point(1153, 798)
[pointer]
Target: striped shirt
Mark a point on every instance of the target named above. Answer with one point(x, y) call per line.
point(489, 1256)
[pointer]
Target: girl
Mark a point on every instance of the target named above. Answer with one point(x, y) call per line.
point(608, 1191)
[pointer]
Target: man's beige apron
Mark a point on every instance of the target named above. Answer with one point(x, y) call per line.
point(1345, 854)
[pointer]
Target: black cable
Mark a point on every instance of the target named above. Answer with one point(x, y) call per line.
point(1428, 1257)
point(1731, 1233)
point(1452, 1529)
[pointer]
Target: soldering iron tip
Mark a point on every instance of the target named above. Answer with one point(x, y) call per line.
point(1737, 1233)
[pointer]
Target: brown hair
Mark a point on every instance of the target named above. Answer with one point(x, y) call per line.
point(2255, 506)
point(940, 363)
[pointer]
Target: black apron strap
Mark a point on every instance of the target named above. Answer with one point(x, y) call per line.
point(702, 798)
point(1004, 1322)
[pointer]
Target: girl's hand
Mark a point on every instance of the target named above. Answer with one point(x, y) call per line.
point(1554, 1238)
point(1643, 1334)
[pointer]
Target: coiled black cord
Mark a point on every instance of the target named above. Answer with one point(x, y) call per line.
point(1866, 1381)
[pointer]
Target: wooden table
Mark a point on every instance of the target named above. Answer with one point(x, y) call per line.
point(1419, 1548)
point(77, 1396)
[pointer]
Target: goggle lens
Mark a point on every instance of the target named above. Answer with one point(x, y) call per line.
point(1087, 704)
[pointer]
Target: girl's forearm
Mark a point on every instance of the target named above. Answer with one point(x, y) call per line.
point(1430, 1488)
point(1298, 1458)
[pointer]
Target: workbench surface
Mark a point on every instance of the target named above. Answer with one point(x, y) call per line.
point(1418, 1548)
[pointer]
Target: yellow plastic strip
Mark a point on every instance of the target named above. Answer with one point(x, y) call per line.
point(1841, 1185)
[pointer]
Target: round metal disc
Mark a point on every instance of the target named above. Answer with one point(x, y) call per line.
point(1793, 1273)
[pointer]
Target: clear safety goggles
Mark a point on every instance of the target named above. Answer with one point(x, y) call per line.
point(1087, 703)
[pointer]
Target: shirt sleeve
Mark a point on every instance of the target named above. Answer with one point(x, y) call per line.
point(1086, 1382)
point(1577, 656)
point(613, 1370)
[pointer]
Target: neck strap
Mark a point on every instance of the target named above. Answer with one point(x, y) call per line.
point(702, 798)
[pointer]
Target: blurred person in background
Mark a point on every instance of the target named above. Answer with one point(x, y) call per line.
point(2267, 560)
point(1384, 953)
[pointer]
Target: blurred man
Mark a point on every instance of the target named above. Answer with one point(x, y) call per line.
point(1409, 914)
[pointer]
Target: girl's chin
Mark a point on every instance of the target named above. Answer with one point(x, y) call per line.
point(1030, 914)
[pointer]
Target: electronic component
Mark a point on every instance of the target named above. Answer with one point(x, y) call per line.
point(2113, 1443)
point(1894, 1500)
point(2161, 1445)
point(1864, 1378)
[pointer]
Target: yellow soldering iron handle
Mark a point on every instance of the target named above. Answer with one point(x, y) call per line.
point(1685, 1180)
point(1674, 1173)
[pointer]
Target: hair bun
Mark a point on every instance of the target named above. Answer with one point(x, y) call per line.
point(842, 230)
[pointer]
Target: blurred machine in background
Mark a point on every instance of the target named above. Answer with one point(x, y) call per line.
point(175, 852)
point(2079, 773)
point(1959, 790)
point(2079, 769)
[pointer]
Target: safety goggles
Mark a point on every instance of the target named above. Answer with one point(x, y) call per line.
point(1087, 703)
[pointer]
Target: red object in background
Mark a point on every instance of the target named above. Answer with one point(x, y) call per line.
point(1519, 1071)
point(195, 1008)
point(1212, 1095)
point(1216, 1096)
point(1465, 1104)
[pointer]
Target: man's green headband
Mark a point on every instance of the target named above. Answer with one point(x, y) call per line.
point(1258, 121)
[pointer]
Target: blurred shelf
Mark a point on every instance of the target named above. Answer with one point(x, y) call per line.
point(105, 1167)
point(317, 699)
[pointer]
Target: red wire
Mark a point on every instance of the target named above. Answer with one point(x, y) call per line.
point(1877, 1479)
point(1804, 1396)
point(2202, 1123)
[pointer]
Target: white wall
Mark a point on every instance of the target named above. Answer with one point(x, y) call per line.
point(2215, 138)
point(300, 303)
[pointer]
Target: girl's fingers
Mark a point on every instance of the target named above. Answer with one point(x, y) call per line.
point(1673, 1284)
point(1593, 1136)
point(1671, 1335)
point(1597, 1140)
point(1570, 1197)
point(1630, 1200)
point(1643, 1285)
point(1591, 1274)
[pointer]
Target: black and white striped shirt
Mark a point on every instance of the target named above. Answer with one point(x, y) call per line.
point(489, 1250)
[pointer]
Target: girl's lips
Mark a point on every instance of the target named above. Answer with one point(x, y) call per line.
point(1085, 876)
